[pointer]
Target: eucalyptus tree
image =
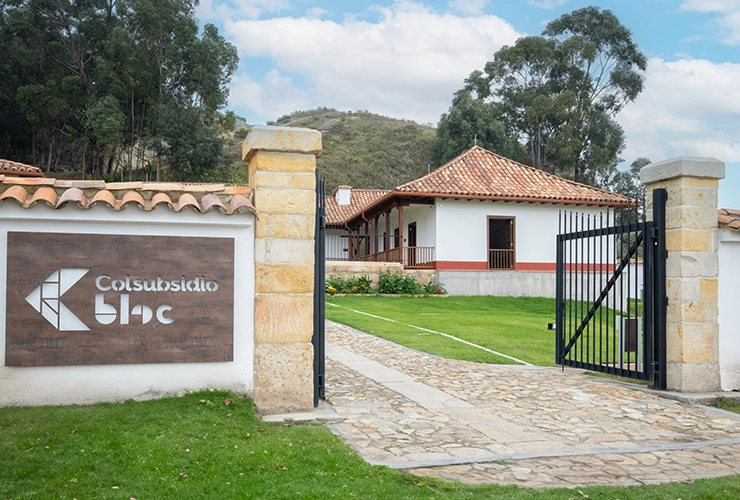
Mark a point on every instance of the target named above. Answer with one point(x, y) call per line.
point(99, 82)
point(471, 120)
point(558, 93)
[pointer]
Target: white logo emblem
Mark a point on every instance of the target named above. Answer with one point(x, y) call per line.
point(45, 299)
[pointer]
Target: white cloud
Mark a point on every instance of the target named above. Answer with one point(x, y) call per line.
point(272, 97)
point(710, 5)
point(471, 7)
point(689, 107)
point(407, 64)
point(316, 12)
point(725, 27)
point(547, 4)
point(218, 10)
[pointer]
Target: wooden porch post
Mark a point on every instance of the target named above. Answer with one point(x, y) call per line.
point(367, 239)
point(386, 239)
point(400, 233)
point(375, 235)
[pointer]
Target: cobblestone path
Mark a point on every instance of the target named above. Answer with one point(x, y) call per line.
point(531, 426)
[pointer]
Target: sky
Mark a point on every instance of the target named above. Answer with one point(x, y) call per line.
point(406, 58)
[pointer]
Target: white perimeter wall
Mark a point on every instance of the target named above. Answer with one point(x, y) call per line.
point(90, 384)
point(729, 316)
point(462, 230)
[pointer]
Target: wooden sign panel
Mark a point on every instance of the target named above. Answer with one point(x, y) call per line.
point(90, 299)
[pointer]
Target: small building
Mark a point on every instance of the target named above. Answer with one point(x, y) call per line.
point(484, 223)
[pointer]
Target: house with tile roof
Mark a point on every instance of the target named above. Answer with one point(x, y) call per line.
point(484, 223)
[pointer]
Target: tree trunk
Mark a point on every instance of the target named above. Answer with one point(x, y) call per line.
point(33, 145)
point(48, 160)
point(133, 137)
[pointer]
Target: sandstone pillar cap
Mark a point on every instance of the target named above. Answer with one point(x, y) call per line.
point(683, 166)
point(282, 140)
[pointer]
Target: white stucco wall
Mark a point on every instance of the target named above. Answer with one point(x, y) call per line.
point(336, 245)
point(426, 227)
point(462, 229)
point(89, 384)
point(729, 317)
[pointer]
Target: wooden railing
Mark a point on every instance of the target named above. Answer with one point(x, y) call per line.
point(392, 255)
point(418, 257)
point(500, 259)
point(360, 247)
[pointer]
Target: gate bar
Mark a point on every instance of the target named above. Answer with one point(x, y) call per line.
point(319, 294)
point(660, 196)
point(559, 293)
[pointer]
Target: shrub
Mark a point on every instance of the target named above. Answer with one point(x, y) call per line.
point(409, 286)
point(389, 283)
point(434, 288)
point(353, 284)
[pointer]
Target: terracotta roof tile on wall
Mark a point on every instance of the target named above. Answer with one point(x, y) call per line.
point(729, 219)
point(202, 198)
point(8, 167)
point(360, 199)
point(481, 173)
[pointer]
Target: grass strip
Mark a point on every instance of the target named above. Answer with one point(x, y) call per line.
point(198, 446)
point(516, 326)
point(446, 335)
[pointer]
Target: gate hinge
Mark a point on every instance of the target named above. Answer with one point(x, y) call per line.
point(655, 367)
point(654, 233)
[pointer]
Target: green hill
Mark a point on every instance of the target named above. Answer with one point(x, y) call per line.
point(365, 150)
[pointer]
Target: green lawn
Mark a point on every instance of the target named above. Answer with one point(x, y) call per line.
point(197, 447)
point(509, 325)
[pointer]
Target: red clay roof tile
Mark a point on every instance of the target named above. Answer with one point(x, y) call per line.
point(210, 200)
point(119, 186)
point(28, 191)
point(72, 194)
point(132, 197)
point(162, 198)
point(728, 218)
point(360, 199)
point(19, 169)
point(480, 173)
point(45, 194)
point(18, 193)
point(477, 174)
point(240, 204)
point(91, 184)
point(236, 190)
point(187, 200)
point(26, 181)
point(104, 196)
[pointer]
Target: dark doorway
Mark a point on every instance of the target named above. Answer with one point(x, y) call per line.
point(411, 246)
point(501, 248)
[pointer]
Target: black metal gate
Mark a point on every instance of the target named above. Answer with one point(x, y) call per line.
point(319, 298)
point(611, 292)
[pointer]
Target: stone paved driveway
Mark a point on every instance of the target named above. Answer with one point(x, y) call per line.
point(530, 426)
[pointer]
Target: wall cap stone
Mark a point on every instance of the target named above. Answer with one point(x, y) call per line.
point(282, 140)
point(683, 166)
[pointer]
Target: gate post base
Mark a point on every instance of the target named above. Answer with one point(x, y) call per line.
point(695, 377)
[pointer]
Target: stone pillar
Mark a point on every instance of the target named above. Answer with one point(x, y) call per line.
point(282, 165)
point(692, 328)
